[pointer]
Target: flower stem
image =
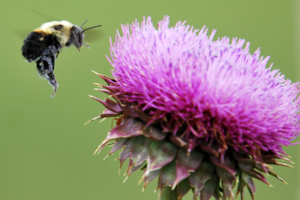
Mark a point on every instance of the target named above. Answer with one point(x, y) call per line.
point(169, 194)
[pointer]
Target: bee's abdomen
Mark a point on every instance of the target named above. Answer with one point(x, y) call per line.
point(33, 46)
point(36, 42)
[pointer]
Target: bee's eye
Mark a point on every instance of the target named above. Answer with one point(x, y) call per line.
point(58, 27)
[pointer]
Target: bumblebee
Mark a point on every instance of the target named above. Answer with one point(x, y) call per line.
point(43, 44)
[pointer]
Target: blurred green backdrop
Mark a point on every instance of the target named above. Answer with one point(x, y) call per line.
point(47, 153)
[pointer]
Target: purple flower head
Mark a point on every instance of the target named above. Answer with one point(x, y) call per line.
point(217, 88)
point(197, 113)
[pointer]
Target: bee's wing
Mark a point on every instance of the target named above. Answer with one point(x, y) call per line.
point(21, 33)
point(93, 35)
point(45, 16)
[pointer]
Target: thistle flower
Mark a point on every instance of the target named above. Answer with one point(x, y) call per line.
point(196, 113)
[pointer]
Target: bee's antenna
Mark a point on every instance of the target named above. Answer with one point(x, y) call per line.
point(90, 28)
point(84, 22)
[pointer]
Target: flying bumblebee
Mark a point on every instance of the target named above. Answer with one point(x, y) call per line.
point(43, 44)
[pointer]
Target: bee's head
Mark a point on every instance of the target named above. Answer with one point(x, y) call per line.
point(77, 35)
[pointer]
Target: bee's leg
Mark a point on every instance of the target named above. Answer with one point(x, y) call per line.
point(57, 54)
point(51, 54)
point(86, 45)
point(40, 68)
point(45, 67)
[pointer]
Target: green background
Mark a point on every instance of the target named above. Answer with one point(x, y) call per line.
point(47, 153)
